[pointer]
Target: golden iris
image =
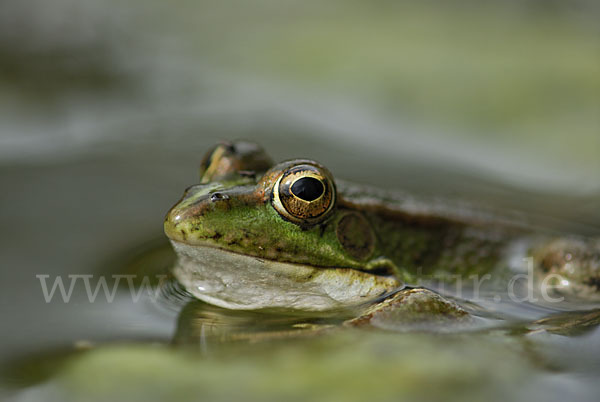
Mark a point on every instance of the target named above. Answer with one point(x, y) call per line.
point(304, 194)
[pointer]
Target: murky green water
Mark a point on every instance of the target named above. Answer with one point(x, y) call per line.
point(106, 114)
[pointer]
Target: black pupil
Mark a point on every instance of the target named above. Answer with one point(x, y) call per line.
point(308, 188)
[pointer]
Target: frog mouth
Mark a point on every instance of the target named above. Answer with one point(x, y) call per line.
point(237, 281)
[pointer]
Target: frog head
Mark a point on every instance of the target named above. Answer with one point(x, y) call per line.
point(282, 228)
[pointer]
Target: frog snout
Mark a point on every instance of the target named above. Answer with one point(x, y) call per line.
point(172, 225)
point(184, 217)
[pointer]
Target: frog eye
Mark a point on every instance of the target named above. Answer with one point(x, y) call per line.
point(228, 159)
point(304, 194)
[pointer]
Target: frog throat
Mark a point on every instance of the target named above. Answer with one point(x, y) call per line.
point(236, 281)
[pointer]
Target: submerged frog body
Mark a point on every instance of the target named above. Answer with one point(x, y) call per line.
point(256, 235)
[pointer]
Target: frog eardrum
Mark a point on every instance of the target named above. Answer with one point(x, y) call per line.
point(304, 194)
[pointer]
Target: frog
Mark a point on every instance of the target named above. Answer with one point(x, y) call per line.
point(254, 234)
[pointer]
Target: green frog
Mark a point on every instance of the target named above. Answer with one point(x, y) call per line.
point(258, 235)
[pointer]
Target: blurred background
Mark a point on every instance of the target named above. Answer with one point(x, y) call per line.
point(511, 88)
point(106, 108)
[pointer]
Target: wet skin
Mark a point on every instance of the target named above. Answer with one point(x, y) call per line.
point(255, 234)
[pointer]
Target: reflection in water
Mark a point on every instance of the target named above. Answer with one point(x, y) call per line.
point(410, 310)
point(207, 326)
point(575, 323)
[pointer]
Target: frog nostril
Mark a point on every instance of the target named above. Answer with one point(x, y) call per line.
point(214, 197)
